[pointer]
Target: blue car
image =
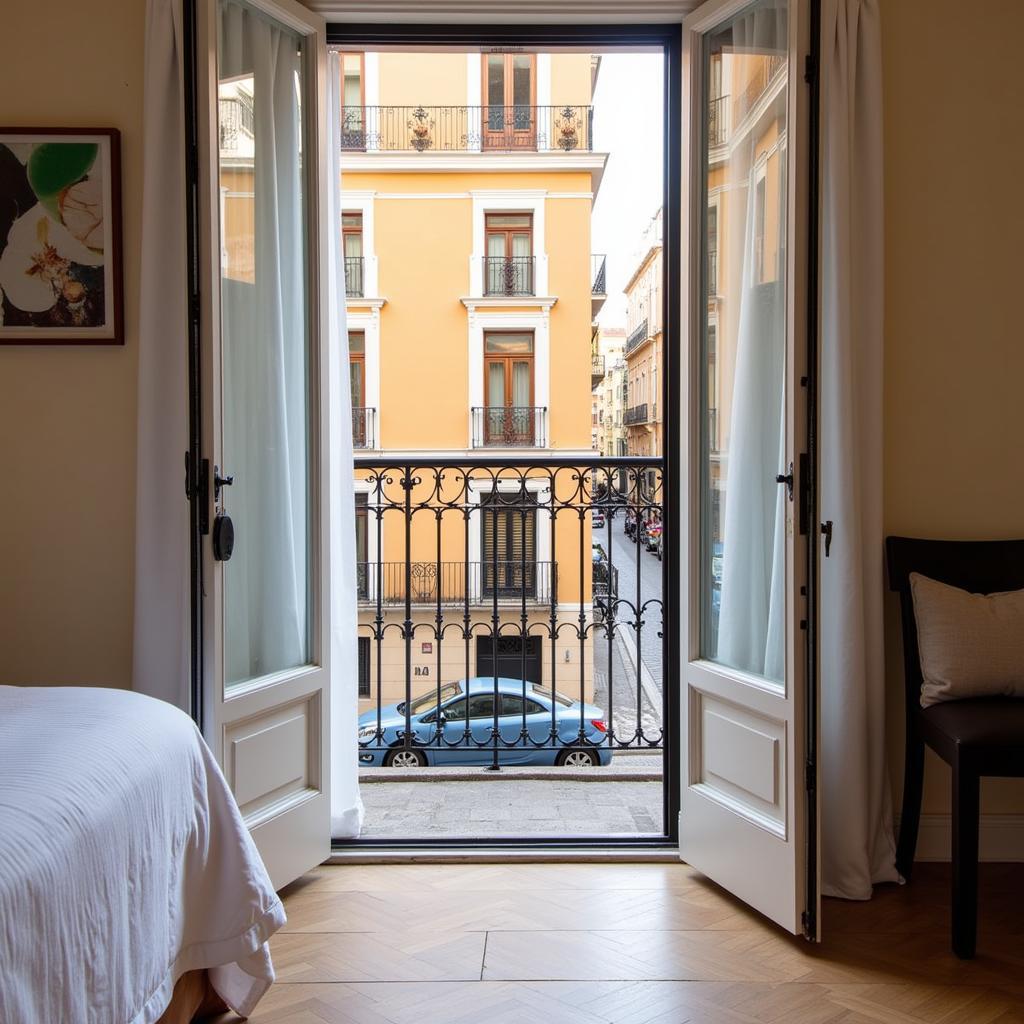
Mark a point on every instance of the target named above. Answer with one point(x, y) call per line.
point(439, 730)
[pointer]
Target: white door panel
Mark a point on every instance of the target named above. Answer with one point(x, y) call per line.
point(743, 806)
point(261, 90)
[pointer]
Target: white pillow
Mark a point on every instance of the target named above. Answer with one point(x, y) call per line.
point(971, 645)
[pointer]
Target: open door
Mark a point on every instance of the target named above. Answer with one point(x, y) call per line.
point(262, 195)
point(747, 819)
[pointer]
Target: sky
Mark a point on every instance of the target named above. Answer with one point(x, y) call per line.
point(628, 126)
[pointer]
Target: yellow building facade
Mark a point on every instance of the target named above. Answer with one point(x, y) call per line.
point(468, 182)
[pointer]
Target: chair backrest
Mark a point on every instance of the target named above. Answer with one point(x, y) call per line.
point(980, 566)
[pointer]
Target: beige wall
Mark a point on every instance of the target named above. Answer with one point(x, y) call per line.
point(67, 415)
point(954, 370)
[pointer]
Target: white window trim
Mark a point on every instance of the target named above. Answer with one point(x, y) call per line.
point(474, 100)
point(363, 202)
point(486, 201)
point(540, 324)
point(542, 528)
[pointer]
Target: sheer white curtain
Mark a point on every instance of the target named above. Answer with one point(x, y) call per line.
point(346, 804)
point(856, 813)
point(160, 662)
point(264, 337)
point(751, 632)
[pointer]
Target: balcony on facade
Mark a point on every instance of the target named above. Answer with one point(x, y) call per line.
point(364, 427)
point(467, 129)
point(598, 282)
point(354, 280)
point(509, 275)
point(454, 584)
point(635, 415)
point(718, 120)
point(596, 370)
point(509, 426)
point(637, 337)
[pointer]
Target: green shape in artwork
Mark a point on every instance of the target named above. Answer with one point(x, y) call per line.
point(55, 165)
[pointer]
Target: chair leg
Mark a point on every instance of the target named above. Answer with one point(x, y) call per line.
point(910, 816)
point(965, 861)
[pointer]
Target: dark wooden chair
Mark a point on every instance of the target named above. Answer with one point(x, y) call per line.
point(981, 736)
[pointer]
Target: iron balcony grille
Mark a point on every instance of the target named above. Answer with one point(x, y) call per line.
point(235, 119)
point(441, 614)
point(718, 121)
point(467, 129)
point(508, 275)
point(712, 273)
point(597, 274)
point(635, 414)
point(354, 276)
point(509, 426)
point(596, 369)
point(637, 337)
point(455, 584)
point(363, 427)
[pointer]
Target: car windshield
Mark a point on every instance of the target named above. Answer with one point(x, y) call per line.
point(552, 695)
point(429, 700)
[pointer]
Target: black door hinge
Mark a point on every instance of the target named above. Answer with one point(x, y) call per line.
point(787, 479)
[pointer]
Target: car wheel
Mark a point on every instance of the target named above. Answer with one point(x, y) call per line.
point(400, 757)
point(578, 757)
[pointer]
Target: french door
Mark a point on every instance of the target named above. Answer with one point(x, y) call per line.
point(746, 819)
point(509, 90)
point(262, 253)
point(508, 387)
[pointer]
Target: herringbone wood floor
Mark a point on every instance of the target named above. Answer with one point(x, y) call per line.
point(630, 944)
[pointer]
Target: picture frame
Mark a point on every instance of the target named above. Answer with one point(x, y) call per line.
point(61, 269)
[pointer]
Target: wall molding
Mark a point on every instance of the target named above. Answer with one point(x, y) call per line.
point(1000, 837)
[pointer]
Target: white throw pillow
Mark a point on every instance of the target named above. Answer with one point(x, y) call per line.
point(971, 645)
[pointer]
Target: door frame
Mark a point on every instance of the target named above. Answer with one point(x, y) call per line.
point(665, 38)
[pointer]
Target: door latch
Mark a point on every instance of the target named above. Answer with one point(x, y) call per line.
point(787, 479)
point(219, 482)
point(826, 532)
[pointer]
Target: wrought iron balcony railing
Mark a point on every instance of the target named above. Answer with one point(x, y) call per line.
point(455, 584)
point(596, 370)
point(635, 415)
point(509, 426)
point(637, 337)
point(508, 275)
point(354, 276)
point(764, 74)
point(598, 284)
point(467, 129)
point(364, 423)
point(452, 600)
point(235, 120)
point(718, 121)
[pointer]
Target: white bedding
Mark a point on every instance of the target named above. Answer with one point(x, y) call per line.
point(124, 862)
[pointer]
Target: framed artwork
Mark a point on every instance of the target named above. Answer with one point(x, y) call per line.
point(60, 237)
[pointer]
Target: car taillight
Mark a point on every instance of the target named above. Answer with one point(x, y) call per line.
point(599, 725)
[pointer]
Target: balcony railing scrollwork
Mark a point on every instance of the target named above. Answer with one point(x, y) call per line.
point(467, 129)
point(637, 336)
point(598, 274)
point(508, 275)
point(635, 415)
point(513, 568)
point(509, 426)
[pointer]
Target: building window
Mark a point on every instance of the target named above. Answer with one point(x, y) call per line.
point(509, 264)
point(712, 399)
point(509, 544)
point(352, 244)
point(509, 91)
point(712, 251)
point(362, 427)
point(364, 667)
point(509, 415)
point(362, 548)
point(353, 101)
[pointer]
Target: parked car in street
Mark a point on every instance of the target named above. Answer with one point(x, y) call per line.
point(597, 518)
point(652, 532)
point(604, 583)
point(458, 729)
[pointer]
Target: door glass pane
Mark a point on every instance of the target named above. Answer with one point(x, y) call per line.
point(496, 92)
point(522, 73)
point(744, 344)
point(522, 378)
point(496, 383)
point(265, 338)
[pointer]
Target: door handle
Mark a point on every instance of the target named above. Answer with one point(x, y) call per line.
point(787, 479)
point(219, 482)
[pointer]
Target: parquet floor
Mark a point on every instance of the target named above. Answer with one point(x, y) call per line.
point(629, 944)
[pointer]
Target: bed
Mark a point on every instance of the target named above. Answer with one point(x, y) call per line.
point(124, 864)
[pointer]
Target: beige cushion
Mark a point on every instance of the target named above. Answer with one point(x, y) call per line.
point(971, 645)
